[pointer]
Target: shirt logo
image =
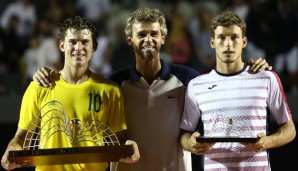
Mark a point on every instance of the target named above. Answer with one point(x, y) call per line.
point(171, 97)
point(212, 87)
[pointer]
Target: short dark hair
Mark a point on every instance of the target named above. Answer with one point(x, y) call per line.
point(146, 15)
point(226, 19)
point(77, 23)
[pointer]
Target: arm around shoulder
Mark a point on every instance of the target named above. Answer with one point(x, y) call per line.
point(46, 77)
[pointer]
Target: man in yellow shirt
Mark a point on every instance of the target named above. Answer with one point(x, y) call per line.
point(85, 96)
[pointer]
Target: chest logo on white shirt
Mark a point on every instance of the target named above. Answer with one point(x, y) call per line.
point(212, 87)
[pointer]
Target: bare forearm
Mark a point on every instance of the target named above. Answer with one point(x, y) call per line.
point(15, 142)
point(18, 139)
point(285, 134)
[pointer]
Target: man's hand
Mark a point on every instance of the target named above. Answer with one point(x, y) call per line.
point(136, 155)
point(259, 146)
point(46, 77)
point(189, 143)
point(6, 164)
point(258, 65)
point(200, 148)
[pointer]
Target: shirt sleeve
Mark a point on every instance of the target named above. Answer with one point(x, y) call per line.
point(191, 112)
point(29, 106)
point(277, 102)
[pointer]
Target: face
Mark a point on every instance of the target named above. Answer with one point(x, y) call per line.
point(146, 40)
point(77, 47)
point(228, 44)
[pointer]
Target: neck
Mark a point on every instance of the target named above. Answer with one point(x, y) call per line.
point(75, 76)
point(229, 68)
point(148, 68)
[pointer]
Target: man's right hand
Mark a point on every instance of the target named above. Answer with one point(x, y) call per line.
point(46, 77)
point(6, 164)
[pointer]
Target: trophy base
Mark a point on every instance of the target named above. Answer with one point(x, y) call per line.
point(227, 139)
point(75, 155)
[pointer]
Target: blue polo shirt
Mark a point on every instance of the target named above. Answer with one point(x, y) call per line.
point(153, 113)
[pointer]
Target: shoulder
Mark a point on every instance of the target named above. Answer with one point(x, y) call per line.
point(183, 73)
point(35, 91)
point(101, 79)
point(119, 76)
point(107, 87)
point(36, 87)
point(206, 76)
point(266, 73)
point(272, 75)
point(186, 70)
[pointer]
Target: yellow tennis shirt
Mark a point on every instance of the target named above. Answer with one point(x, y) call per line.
point(96, 99)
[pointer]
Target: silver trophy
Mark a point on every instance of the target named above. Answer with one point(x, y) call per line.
point(51, 119)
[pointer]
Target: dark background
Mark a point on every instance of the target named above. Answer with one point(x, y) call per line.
point(272, 38)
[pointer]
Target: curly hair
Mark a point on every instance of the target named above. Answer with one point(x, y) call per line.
point(227, 19)
point(77, 23)
point(146, 15)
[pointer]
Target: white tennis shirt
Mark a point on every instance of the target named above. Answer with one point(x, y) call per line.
point(234, 105)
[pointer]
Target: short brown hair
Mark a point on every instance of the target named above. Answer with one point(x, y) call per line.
point(227, 19)
point(77, 23)
point(150, 15)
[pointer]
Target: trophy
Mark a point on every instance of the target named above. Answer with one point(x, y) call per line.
point(52, 119)
point(233, 131)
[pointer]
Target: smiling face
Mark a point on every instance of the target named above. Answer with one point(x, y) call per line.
point(228, 43)
point(146, 40)
point(77, 47)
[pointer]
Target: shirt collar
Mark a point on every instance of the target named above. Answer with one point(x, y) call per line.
point(164, 74)
point(232, 74)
